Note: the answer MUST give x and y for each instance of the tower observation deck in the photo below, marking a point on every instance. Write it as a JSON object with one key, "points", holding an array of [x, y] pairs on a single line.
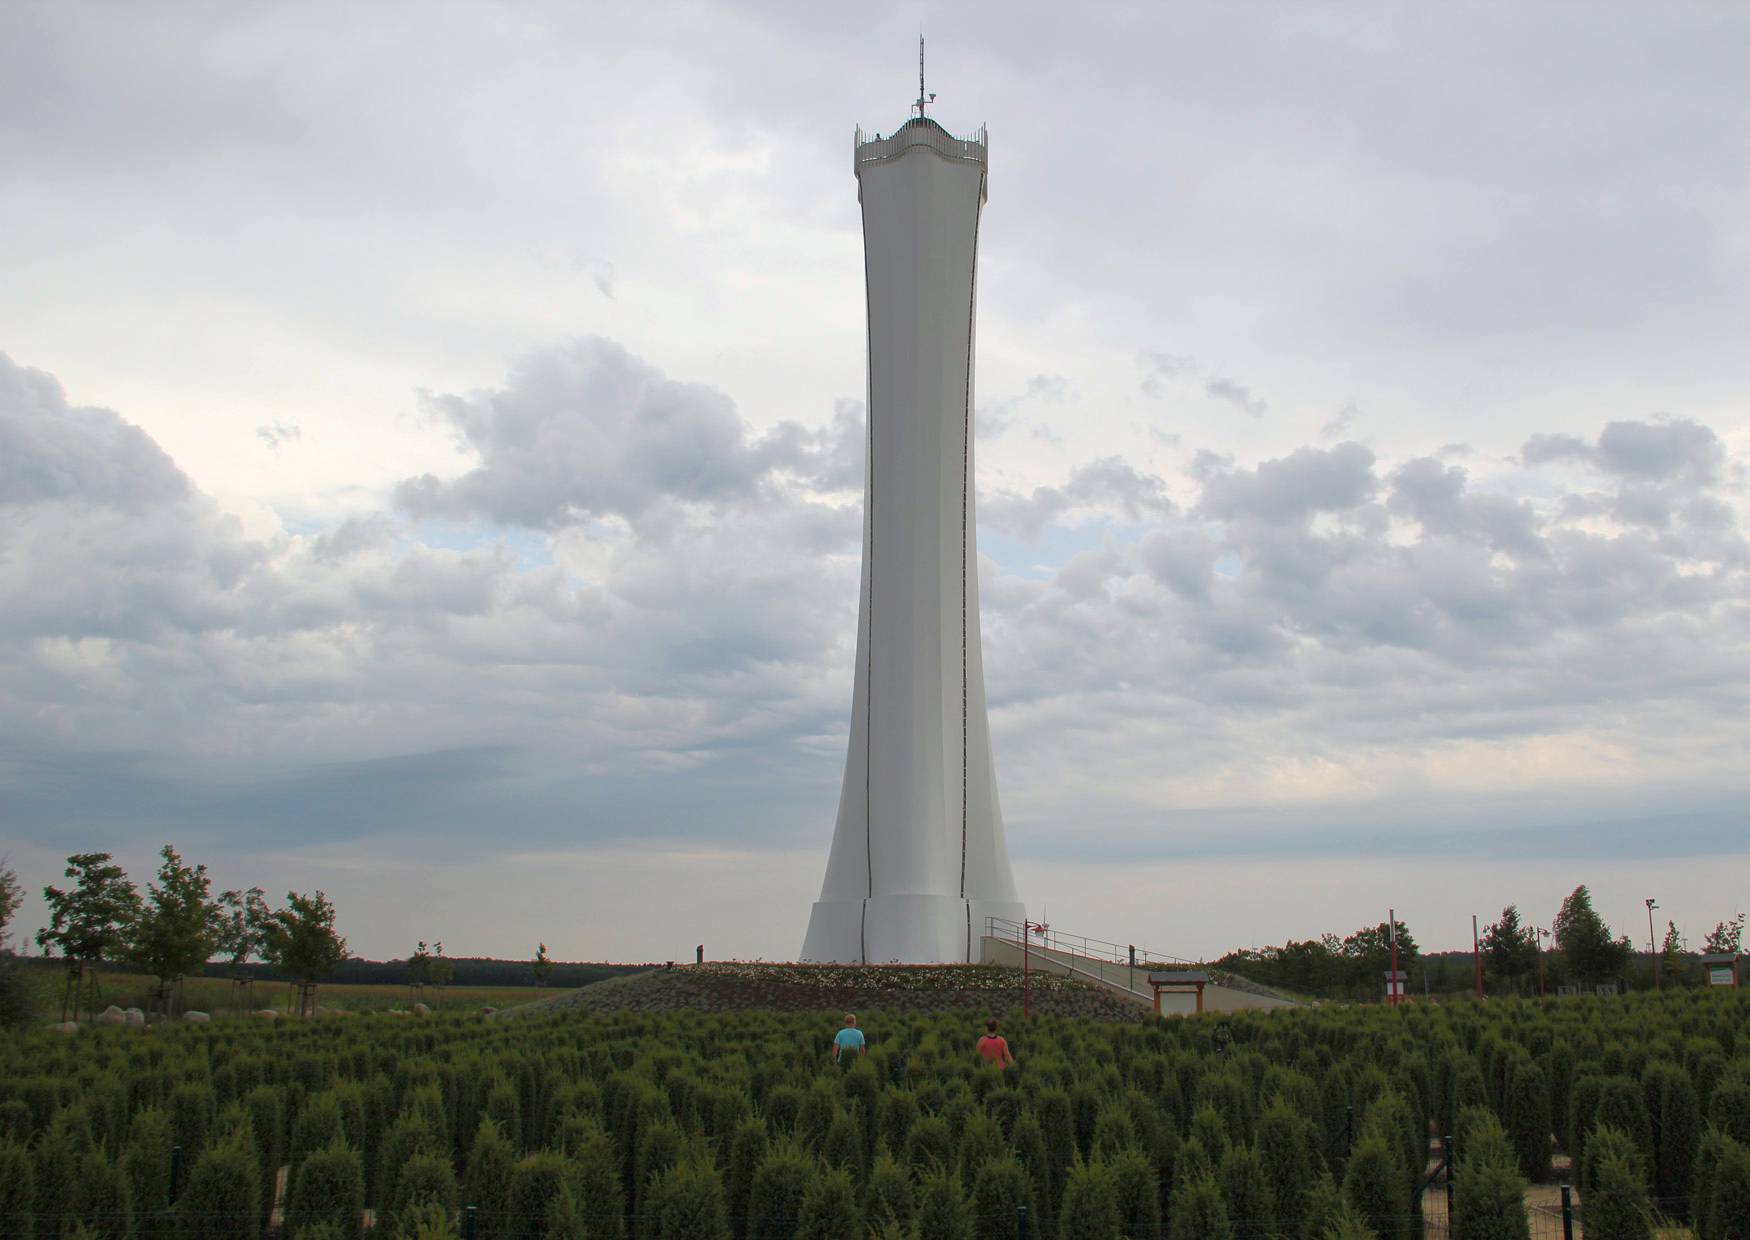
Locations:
{"points": [[918, 859]]}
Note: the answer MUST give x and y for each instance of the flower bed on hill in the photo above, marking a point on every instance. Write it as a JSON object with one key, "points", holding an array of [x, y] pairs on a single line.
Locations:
{"points": [[740, 986]]}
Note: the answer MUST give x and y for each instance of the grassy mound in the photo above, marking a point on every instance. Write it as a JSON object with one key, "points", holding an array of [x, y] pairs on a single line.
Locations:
{"points": [[735, 987]]}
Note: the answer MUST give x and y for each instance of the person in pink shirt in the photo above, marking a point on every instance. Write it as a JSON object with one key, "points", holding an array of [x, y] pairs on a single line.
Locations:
{"points": [[994, 1048]]}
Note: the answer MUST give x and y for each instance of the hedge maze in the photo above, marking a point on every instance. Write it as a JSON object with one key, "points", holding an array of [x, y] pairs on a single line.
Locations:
{"points": [[1328, 1122]]}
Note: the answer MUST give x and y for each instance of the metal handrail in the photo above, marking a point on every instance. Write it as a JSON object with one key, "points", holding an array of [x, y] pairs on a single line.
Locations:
{"points": [[1081, 944], [973, 150]]}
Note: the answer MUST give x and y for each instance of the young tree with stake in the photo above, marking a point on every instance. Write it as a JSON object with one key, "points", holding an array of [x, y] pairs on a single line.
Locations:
{"points": [[177, 929], [301, 942], [89, 921]]}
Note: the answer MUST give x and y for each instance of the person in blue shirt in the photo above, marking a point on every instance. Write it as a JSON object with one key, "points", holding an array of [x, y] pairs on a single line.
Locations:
{"points": [[849, 1039]]}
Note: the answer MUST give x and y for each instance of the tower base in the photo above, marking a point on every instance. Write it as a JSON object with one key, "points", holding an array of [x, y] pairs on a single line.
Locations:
{"points": [[902, 929]]}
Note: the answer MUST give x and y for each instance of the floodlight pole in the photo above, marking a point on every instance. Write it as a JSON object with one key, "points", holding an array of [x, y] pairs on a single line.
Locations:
{"points": [[1541, 936], [1652, 944]]}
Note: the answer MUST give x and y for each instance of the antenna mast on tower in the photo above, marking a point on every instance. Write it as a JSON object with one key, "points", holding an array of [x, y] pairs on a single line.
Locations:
{"points": [[923, 99]]}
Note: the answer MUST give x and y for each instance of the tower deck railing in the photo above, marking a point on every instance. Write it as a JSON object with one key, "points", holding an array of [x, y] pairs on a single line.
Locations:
{"points": [[869, 150], [1111, 962]]}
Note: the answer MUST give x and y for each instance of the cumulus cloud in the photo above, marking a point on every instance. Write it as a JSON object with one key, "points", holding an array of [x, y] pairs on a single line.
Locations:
{"points": [[668, 660], [587, 430]]}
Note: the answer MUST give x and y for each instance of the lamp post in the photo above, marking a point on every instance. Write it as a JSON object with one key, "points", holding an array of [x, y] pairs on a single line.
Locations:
{"points": [[1541, 936], [1652, 945]]}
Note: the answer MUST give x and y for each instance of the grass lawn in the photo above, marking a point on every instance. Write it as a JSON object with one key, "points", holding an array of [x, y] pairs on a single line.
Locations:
{"points": [[214, 995]]}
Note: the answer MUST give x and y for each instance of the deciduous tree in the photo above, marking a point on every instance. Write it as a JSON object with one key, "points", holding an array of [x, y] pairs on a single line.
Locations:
{"points": [[1728, 936], [90, 920], [177, 929], [300, 942]]}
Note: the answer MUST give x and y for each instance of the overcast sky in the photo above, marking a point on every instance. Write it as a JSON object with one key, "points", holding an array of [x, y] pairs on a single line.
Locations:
{"points": [[431, 458]]}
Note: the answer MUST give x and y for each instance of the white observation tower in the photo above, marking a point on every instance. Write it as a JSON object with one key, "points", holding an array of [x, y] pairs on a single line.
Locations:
{"points": [[918, 856]]}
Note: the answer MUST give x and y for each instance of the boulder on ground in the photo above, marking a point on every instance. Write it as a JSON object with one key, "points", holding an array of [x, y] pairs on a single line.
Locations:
{"points": [[65, 1026], [111, 1015], [135, 1016], [399, 1012], [196, 1018], [419, 1009], [267, 1014]]}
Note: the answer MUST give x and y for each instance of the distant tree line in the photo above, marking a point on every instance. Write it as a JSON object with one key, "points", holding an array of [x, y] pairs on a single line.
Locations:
{"points": [[1576, 949], [178, 928]]}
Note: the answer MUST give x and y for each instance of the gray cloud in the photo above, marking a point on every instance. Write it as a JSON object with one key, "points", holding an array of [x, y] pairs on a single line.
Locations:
{"points": [[1238, 395], [1294, 487], [679, 673], [588, 430]]}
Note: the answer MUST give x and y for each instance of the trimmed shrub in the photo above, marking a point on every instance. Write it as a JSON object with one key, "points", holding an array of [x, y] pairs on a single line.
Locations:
{"points": [[1321, 1207], [1373, 1183], [1246, 1190], [486, 1183], [328, 1187], [1489, 1202], [1028, 1141], [1002, 1186], [221, 1199], [843, 1147], [943, 1213], [1583, 1111], [601, 1192], [541, 1201], [1090, 1204], [1198, 1211], [427, 1222], [1728, 1109], [406, 1136], [887, 1196], [425, 1179], [774, 1203], [1723, 1207], [1137, 1187], [193, 1104], [1675, 1142], [1606, 1143], [1528, 1119], [146, 1163], [692, 1203], [747, 1149], [1617, 1207], [1623, 1106], [1346, 1224], [981, 1138], [318, 1126], [930, 1144], [17, 1191], [104, 1207], [1287, 1149], [829, 1207]]}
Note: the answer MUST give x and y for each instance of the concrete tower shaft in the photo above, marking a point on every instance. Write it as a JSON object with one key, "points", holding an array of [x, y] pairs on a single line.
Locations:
{"points": [[918, 856]]}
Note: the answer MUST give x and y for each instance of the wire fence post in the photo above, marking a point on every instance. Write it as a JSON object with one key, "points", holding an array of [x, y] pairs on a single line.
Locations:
{"points": [[470, 1220], [1020, 1222], [175, 1171], [1567, 1213], [1446, 1157]]}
